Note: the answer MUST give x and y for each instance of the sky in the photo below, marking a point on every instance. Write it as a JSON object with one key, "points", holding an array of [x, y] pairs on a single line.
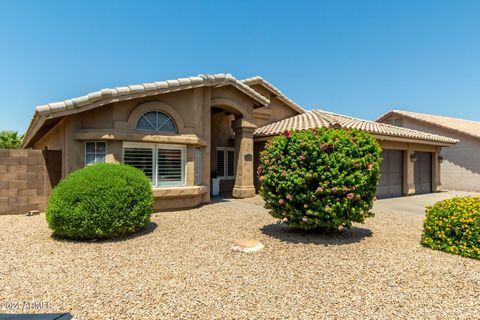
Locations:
{"points": [[359, 58]]}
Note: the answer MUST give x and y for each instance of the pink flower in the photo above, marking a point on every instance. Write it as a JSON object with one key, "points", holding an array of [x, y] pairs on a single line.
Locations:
{"points": [[289, 197], [267, 161], [353, 188], [281, 201], [284, 173], [319, 190], [288, 134], [304, 219], [334, 189], [302, 157], [259, 170], [324, 147], [350, 196]]}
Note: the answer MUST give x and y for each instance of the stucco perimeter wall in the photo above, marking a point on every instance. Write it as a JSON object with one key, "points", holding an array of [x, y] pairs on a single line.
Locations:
{"points": [[461, 164], [25, 179]]}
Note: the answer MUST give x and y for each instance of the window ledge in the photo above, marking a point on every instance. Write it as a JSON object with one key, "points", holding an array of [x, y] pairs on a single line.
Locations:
{"points": [[173, 192]]}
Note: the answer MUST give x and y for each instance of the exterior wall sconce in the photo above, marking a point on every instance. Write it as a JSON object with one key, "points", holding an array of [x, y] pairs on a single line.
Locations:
{"points": [[440, 158], [413, 157]]}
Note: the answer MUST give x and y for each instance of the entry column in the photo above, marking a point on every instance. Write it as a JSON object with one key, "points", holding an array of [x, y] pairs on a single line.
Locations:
{"points": [[243, 129]]}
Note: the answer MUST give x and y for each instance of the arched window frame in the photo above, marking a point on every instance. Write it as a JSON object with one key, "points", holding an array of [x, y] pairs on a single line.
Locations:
{"points": [[157, 127]]}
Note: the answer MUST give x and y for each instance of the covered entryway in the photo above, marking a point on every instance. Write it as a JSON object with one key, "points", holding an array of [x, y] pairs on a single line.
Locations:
{"points": [[423, 172], [390, 183]]}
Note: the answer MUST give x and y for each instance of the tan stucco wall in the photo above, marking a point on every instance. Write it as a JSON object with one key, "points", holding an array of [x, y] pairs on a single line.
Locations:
{"points": [[461, 165]]}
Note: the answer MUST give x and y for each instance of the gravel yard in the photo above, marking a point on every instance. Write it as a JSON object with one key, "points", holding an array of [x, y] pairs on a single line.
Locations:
{"points": [[182, 267]]}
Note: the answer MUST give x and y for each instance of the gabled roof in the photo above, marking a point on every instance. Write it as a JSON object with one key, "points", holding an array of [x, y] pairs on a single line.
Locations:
{"points": [[467, 127], [106, 96], [317, 118], [274, 90]]}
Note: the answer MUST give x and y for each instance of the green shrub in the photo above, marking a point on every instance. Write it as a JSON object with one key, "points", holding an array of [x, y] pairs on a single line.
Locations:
{"points": [[320, 178], [453, 226], [100, 201]]}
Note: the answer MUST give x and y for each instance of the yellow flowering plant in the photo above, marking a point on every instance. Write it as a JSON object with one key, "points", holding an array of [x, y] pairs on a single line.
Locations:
{"points": [[453, 226]]}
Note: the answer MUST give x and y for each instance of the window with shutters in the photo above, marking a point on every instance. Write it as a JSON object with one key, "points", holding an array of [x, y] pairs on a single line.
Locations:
{"points": [[95, 152], [225, 163], [198, 166], [163, 164]]}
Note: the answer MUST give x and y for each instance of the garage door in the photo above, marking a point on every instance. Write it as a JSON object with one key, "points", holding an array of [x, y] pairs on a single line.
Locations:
{"points": [[391, 174], [423, 172]]}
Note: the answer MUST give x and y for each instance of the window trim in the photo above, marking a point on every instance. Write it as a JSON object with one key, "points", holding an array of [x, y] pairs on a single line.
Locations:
{"points": [[85, 152], [155, 147], [154, 130], [225, 175]]}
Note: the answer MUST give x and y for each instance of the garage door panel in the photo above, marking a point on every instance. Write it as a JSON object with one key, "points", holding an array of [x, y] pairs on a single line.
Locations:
{"points": [[423, 172], [391, 170]]}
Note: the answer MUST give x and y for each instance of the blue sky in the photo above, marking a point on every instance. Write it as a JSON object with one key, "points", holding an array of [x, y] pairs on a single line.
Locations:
{"points": [[359, 58]]}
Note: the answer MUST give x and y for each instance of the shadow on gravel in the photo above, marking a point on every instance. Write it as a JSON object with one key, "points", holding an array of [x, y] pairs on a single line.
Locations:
{"points": [[151, 226], [283, 232]]}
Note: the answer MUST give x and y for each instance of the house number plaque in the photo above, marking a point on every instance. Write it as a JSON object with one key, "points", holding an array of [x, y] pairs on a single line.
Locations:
{"points": [[248, 157]]}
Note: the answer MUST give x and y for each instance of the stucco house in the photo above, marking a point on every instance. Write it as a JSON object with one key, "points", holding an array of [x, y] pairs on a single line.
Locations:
{"points": [[182, 132], [461, 162]]}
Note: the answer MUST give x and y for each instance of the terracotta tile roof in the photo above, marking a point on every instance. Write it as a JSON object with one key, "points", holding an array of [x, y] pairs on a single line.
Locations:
{"points": [[153, 88], [468, 127], [276, 92], [318, 118]]}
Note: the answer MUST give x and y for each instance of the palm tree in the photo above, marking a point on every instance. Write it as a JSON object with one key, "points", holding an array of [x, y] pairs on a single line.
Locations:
{"points": [[10, 139]]}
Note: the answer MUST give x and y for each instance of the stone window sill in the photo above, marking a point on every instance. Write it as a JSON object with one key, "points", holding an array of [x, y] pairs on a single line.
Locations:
{"points": [[174, 192]]}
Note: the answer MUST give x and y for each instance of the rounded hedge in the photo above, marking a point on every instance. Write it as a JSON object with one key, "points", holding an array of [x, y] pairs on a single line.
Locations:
{"points": [[453, 226], [320, 178], [100, 201]]}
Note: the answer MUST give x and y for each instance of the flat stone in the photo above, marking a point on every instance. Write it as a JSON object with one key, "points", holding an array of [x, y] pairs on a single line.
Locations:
{"points": [[247, 245]]}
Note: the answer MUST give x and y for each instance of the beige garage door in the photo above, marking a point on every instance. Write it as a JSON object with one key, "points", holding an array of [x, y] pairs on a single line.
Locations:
{"points": [[390, 183], [423, 172]]}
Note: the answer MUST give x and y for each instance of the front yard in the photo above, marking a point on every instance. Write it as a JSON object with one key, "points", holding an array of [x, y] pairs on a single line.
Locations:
{"points": [[182, 267]]}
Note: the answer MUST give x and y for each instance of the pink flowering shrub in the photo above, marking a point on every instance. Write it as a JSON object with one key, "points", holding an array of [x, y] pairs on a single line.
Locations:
{"points": [[320, 178]]}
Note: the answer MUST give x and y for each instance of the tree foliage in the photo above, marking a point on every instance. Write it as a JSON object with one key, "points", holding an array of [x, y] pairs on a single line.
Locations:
{"points": [[10, 139]]}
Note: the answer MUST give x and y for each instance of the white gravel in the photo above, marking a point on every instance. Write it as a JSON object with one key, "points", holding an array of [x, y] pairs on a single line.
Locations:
{"points": [[184, 269]]}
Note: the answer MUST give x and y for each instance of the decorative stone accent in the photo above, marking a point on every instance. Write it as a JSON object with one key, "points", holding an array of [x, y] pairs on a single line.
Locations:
{"points": [[245, 245]]}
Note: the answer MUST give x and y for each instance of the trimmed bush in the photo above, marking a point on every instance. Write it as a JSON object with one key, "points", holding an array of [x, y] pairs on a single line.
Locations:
{"points": [[100, 201], [453, 226], [320, 178]]}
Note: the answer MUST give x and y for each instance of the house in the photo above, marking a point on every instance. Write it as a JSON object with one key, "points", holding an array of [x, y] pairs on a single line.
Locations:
{"points": [[461, 162], [182, 132]]}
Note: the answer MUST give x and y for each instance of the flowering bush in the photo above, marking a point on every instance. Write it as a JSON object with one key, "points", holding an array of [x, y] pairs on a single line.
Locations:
{"points": [[453, 226], [320, 178]]}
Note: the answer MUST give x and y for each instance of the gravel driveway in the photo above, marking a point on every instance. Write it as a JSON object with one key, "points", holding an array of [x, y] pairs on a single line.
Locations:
{"points": [[182, 267]]}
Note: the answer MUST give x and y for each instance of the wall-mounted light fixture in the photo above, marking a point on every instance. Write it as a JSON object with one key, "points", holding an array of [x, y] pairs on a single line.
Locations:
{"points": [[440, 158], [413, 157]]}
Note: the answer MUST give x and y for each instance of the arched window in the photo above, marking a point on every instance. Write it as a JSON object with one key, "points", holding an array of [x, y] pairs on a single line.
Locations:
{"points": [[156, 121]]}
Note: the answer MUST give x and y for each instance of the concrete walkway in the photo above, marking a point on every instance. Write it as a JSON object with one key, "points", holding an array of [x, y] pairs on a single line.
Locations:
{"points": [[416, 204]]}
